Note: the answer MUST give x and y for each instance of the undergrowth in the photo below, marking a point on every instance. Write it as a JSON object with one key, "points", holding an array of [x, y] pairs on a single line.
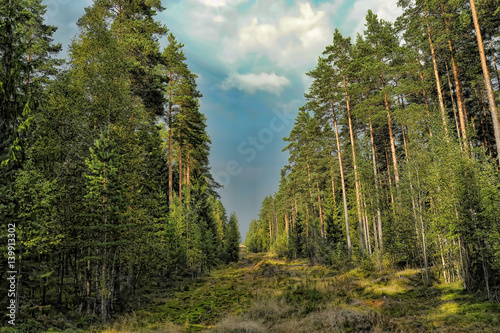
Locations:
{"points": [[262, 293]]}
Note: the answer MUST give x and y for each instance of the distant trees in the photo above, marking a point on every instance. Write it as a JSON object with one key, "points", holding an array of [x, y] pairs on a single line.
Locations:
{"points": [[395, 135]]}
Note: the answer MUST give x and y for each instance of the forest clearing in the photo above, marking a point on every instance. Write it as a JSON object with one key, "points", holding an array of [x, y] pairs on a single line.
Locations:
{"points": [[356, 149], [262, 293]]}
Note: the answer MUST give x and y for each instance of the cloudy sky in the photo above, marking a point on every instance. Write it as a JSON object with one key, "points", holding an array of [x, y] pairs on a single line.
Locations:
{"points": [[251, 57]]}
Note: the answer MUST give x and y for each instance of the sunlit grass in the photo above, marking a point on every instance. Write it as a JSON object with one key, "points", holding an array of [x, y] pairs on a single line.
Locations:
{"points": [[263, 293]]}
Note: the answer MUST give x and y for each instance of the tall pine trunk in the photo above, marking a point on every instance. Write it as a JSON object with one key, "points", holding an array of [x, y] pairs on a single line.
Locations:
{"points": [[436, 76], [391, 134], [344, 194], [377, 195], [487, 79], [458, 84], [356, 178], [170, 178]]}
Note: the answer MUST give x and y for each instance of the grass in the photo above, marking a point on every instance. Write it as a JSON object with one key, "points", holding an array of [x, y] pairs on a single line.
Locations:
{"points": [[262, 293]]}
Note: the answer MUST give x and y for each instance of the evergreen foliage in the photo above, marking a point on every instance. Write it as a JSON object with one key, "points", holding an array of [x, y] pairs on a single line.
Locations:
{"points": [[232, 242], [396, 133], [86, 183]]}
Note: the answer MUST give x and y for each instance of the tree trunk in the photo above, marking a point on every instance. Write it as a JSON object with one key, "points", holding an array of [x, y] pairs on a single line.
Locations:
{"points": [[344, 194], [487, 79], [391, 135], [188, 175], [443, 262], [321, 226], [331, 174], [453, 102], [436, 76], [270, 232], [379, 215], [170, 179], [287, 229], [458, 85], [275, 221], [366, 226], [389, 178], [180, 172], [356, 178]]}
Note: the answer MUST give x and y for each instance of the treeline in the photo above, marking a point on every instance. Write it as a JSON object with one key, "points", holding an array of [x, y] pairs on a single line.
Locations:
{"points": [[104, 164], [394, 157]]}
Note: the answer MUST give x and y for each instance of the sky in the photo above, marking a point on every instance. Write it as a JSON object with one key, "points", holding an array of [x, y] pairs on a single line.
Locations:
{"points": [[251, 57]]}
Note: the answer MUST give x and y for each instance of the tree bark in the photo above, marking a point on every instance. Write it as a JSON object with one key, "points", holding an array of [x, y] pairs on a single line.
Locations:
{"points": [[356, 178], [322, 229], [453, 102], [344, 194], [170, 178], [487, 79], [436, 76], [287, 229], [391, 135], [180, 171], [379, 215], [458, 85]]}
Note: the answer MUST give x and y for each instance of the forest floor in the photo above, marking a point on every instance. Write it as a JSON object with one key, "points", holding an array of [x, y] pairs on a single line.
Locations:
{"points": [[262, 293]]}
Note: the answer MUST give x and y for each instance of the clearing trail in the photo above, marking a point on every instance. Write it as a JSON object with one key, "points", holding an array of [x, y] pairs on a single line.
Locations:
{"points": [[262, 293]]}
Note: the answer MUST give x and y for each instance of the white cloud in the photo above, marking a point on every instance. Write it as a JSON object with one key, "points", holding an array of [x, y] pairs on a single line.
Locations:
{"points": [[288, 37], [214, 3], [262, 36], [250, 83], [387, 10], [256, 35], [309, 27]]}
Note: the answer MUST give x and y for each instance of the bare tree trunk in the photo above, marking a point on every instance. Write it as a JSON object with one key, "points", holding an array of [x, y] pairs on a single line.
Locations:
{"points": [[366, 226], [458, 85], [356, 178], [287, 229], [170, 178], [487, 79], [443, 262], [180, 171], [322, 228], [436, 75], [270, 232], [188, 175], [379, 215], [391, 135], [389, 177], [344, 194], [275, 220], [377, 247], [453, 102], [331, 174]]}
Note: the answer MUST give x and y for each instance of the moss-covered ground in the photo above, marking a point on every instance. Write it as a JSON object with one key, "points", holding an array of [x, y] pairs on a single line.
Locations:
{"points": [[262, 293]]}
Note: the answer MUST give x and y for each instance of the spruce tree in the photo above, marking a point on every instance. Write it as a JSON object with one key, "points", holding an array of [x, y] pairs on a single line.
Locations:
{"points": [[232, 242]]}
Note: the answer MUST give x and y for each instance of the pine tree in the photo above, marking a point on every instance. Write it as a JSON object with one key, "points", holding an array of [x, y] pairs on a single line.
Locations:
{"points": [[107, 215], [232, 242]]}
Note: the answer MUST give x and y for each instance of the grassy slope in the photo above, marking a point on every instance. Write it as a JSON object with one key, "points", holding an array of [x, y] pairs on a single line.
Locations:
{"points": [[265, 294]]}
